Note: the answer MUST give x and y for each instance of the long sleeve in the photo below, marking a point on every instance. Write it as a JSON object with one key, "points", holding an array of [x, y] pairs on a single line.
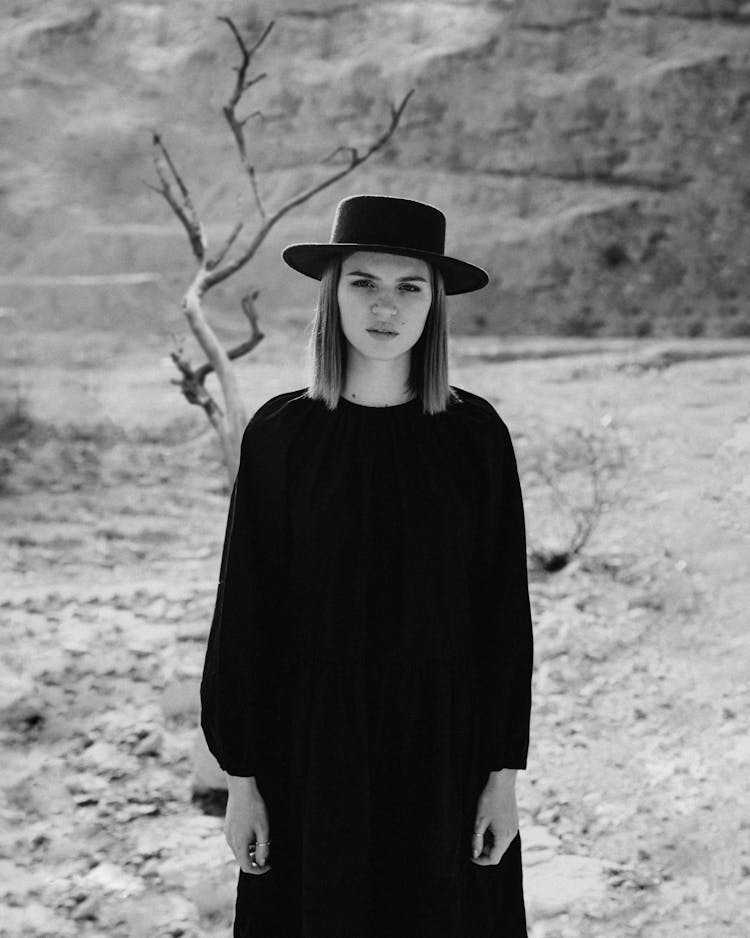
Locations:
{"points": [[506, 640], [241, 651]]}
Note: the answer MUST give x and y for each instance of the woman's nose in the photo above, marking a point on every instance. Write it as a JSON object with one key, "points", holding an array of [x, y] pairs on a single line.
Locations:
{"points": [[384, 306]]}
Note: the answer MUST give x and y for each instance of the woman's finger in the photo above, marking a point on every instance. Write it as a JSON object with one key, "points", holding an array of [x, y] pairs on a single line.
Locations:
{"points": [[243, 857], [500, 845], [259, 850], [477, 840], [246, 854]]}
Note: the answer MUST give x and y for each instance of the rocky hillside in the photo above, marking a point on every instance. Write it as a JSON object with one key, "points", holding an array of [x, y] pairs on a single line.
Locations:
{"points": [[592, 154]]}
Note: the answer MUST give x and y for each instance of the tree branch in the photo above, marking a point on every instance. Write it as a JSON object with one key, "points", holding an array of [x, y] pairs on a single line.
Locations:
{"points": [[217, 276], [192, 385], [230, 108], [186, 211], [256, 336], [212, 263]]}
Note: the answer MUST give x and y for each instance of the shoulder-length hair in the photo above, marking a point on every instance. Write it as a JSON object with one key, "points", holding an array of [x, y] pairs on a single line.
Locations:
{"points": [[327, 347]]}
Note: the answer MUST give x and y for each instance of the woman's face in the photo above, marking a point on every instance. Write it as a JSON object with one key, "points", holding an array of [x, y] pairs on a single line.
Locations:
{"points": [[383, 292]]}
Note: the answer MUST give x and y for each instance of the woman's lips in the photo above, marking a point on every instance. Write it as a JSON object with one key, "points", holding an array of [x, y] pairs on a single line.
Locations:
{"points": [[382, 335]]}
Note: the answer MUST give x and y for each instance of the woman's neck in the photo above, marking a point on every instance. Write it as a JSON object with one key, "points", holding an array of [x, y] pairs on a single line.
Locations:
{"points": [[378, 384]]}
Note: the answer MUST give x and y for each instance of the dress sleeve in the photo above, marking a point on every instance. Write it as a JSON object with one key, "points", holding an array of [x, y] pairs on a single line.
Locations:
{"points": [[506, 640], [240, 654]]}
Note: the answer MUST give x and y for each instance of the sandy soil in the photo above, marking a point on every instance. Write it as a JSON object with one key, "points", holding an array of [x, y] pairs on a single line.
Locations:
{"points": [[113, 511]]}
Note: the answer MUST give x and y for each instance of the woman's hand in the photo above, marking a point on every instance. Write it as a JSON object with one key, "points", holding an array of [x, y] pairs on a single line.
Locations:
{"points": [[246, 823], [498, 812]]}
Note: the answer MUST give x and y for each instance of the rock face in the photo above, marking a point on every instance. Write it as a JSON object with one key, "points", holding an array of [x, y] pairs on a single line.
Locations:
{"points": [[591, 154]]}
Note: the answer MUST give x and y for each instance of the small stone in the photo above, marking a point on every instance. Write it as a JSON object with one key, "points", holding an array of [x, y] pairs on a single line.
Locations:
{"points": [[150, 745], [87, 909]]}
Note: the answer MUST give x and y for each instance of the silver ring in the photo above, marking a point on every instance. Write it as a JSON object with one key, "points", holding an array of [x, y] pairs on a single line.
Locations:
{"points": [[251, 847]]}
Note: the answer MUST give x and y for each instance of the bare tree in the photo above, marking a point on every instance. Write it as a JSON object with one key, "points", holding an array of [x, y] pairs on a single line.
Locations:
{"points": [[212, 269]]}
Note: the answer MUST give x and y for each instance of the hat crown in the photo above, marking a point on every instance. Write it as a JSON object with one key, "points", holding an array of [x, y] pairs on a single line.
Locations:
{"points": [[385, 220]]}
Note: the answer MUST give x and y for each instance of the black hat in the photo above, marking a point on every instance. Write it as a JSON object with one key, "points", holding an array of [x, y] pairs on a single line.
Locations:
{"points": [[393, 226]]}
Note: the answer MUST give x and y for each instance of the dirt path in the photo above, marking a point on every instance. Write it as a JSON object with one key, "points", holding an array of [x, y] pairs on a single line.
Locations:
{"points": [[631, 813]]}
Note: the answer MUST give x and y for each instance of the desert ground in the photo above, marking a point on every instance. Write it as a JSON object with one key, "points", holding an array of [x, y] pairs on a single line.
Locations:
{"points": [[113, 509]]}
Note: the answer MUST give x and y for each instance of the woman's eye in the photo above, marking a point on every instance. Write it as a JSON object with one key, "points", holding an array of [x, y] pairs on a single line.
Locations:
{"points": [[412, 287]]}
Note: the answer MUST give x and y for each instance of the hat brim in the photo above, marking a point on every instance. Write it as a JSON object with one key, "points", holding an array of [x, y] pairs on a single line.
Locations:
{"points": [[458, 276]]}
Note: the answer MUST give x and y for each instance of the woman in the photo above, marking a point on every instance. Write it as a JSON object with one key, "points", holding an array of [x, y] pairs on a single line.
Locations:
{"points": [[367, 683]]}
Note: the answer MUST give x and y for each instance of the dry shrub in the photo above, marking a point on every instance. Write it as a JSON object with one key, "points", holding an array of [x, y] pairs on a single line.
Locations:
{"points": [[576, 476]]}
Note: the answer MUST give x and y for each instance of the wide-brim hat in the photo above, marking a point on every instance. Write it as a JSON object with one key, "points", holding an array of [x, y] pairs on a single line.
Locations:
{"points": [[393, 226]]}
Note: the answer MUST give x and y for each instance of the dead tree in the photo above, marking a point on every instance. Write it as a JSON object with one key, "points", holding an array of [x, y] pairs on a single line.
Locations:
{"points": [[212, 269]]}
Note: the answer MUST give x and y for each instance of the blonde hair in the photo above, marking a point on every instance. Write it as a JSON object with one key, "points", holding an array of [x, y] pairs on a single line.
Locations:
{"points": [[428, 374]]}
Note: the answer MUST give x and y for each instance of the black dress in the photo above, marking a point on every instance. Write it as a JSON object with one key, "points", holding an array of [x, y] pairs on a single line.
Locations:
{"points": [[370, 662]]}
